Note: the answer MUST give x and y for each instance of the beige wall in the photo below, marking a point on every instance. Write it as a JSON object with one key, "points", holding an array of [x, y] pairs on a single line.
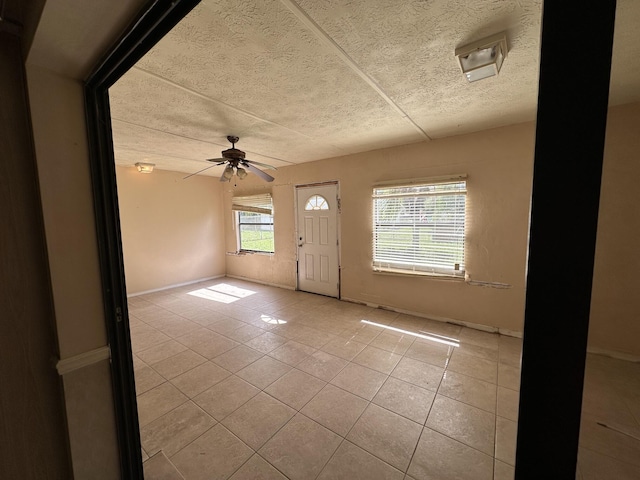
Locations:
{"points": [[57, 110], [615, 302], [498, 164], [171, 228]]}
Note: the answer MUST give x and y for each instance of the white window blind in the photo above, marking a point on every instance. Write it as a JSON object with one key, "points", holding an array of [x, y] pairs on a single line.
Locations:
{"points": [[254, 203], [420, 228]]}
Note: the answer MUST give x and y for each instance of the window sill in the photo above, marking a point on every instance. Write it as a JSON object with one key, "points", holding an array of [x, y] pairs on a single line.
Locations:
{"points": [[433, 276], [242, 253]]}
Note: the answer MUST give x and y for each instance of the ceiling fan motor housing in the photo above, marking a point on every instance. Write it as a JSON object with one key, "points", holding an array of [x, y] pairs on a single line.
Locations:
{"points": [[233, 154]]}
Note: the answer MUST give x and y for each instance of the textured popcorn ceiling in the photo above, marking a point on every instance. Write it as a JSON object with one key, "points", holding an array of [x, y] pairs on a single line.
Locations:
{"points": [[304, 80]]}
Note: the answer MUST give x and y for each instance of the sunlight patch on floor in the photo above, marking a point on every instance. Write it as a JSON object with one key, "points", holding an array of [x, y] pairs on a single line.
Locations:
{"points": [[272, 320], [222, 292], [434, 337]]}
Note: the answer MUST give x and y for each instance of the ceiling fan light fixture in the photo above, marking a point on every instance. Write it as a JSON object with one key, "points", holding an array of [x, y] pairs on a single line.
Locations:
{"points": [[228, 172], [484, 58], [145, 167], [241, 173]]}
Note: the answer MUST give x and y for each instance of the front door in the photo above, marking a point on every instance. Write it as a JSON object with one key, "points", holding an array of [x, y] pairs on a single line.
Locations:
{"points": [[317, 236]]}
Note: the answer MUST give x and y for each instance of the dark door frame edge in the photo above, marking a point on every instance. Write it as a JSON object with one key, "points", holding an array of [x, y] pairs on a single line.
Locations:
{"points": [[569, 150], [155, 20]]}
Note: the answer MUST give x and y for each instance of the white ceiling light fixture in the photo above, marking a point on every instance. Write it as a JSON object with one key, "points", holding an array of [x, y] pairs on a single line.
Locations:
{"points": [[483, 59], [145, 167]]}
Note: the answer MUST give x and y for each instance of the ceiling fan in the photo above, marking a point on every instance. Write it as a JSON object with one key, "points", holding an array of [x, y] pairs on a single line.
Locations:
{"points": [[236, 164]]}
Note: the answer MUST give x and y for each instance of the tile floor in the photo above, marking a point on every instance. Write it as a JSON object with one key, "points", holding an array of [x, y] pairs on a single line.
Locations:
{"points": [[245, 381]]}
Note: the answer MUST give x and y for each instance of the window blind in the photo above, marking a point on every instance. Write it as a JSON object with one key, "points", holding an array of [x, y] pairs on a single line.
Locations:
{"points": [[254, 203], [420, 228]]}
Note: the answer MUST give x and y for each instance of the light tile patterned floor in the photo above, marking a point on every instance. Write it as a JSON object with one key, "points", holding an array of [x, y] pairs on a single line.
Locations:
{"points": [[244, 381]]}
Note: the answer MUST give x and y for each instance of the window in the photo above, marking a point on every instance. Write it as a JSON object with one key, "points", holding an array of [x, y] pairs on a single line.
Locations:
{"points": [[254, 215], [420, 228], [316, 202]]}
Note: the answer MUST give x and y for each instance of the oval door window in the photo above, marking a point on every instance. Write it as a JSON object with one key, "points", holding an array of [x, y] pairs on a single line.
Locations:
{"points": [[316, 202]]}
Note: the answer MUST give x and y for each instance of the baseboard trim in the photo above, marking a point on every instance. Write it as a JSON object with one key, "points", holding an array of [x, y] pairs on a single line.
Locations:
{"points": [[253, 280], [82, 360], [475, 326], [509, 333], [613, 354], [169, 287]]}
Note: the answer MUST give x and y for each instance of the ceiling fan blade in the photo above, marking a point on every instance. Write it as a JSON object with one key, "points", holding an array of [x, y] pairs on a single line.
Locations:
{"points": [[221, 160], [257, 171], [199, 171], [263, 165]]}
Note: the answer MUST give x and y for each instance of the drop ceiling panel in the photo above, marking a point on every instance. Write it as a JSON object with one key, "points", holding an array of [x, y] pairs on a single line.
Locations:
{"points": [[137, 144], [151, 116], [145, 100], [408, 49], [259, 58]]}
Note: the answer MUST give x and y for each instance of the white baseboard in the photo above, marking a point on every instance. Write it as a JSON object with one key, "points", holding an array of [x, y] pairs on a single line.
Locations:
{"points": [[510, 333], [613, 354], [82, 360], [169, 287], [475, 326], [253, 280]]}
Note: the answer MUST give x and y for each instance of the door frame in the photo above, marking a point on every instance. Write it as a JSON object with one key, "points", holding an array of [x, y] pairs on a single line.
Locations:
{"points": [[338, 228], [151, 24]]}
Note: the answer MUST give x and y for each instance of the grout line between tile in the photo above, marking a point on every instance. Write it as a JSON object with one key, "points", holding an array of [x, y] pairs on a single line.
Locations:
{"points": [[424, 425]]}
